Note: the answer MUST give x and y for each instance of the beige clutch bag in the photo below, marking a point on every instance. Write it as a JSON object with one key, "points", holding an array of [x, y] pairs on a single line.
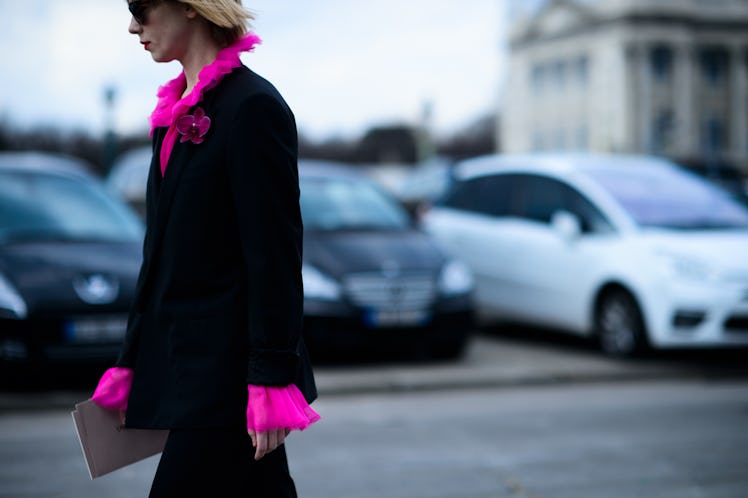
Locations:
{"points": [[106, 445]]}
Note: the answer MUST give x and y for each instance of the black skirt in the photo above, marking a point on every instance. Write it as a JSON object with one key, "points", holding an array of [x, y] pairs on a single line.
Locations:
{"points": [[207, 463]]}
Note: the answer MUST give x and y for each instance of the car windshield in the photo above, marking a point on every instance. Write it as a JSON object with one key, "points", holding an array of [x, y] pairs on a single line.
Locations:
{"points": [[37, 206], [340, 204], [666, 197]]}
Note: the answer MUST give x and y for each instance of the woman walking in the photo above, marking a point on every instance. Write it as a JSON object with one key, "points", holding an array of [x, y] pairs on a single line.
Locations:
{"points": [[213, 350]]}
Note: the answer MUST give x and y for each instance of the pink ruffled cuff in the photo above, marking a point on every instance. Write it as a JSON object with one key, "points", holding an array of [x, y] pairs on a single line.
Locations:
{"points": [[114, 388], [270, 408]]}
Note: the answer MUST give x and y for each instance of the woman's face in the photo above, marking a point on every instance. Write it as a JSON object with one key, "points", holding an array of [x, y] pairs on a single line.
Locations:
{"points": [[163, 27]]}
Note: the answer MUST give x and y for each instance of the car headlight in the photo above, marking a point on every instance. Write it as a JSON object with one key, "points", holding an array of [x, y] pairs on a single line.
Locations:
{"points": [[317, 285], [455, 278], [685, 267], [11, 300]]}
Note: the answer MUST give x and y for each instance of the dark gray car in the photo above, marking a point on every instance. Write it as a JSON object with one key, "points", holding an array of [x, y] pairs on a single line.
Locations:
{"points": [[69, 259], [373, 281]]}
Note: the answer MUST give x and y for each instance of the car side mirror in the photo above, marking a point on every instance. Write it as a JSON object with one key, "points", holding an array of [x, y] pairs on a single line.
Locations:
{"points": [[566, 224]]}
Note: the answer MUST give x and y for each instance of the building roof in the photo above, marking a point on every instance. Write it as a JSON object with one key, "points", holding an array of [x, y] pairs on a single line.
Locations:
{"points": [[562, 18]]}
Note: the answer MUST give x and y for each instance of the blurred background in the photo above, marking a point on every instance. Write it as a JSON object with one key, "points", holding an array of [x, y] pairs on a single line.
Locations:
{"points": [[83, 83], [393, 84]]}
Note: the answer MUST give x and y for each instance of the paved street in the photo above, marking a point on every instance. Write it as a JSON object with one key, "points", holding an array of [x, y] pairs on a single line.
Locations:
{"points": [[634, 440], [522, 415], [652, 439]]}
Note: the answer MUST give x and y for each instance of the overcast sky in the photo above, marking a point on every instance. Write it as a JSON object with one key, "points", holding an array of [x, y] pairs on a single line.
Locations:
{"points": [[343, 65]]}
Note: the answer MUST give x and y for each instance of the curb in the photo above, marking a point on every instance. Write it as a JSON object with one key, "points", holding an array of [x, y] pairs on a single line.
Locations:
{"points": [[399, 382], [11, 402]]}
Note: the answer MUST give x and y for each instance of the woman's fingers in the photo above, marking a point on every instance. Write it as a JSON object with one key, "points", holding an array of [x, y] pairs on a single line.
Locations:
{"points": [[253, 436], [272, 440], [281, 436], [265, 442], [261, 445]]}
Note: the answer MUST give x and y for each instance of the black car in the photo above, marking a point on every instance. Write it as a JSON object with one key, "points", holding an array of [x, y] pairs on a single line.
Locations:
{"points": [[373, 281], [69, 258]]}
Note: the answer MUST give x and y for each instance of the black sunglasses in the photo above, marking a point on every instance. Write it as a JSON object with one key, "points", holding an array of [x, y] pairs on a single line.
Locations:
{"points": [[139, 9]]}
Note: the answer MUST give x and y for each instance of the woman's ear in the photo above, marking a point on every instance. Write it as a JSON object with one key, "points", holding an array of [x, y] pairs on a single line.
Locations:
{"points": [[189, 11]]}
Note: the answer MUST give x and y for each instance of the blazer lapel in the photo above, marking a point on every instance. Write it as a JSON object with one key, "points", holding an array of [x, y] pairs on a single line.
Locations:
{"points": [[180, 156], [169, 184], [160, 194]]}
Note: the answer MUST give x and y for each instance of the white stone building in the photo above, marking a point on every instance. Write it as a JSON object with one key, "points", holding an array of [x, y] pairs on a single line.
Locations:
{"points": [[667, 77]]}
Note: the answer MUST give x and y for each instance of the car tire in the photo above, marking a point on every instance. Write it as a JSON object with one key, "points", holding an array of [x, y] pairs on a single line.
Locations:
{"points": [[619, 325]]}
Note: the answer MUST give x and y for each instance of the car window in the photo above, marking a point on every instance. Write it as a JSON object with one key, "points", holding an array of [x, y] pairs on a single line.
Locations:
{"points": [[668, 197], [489, 195], [464, 195], [540, 197], [35, 206], [343, 204], [591, 218]]}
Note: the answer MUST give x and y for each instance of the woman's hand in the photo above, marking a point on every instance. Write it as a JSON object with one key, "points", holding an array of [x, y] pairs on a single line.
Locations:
{"points": [[265, 442]]}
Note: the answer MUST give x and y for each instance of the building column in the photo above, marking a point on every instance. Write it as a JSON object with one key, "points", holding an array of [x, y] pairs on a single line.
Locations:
{"points": [[738, 105], [686, 125], [644, 98], [638, 98]]}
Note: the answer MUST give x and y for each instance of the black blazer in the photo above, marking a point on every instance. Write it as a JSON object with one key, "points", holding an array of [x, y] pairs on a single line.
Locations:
{"points": [[219, 300]]}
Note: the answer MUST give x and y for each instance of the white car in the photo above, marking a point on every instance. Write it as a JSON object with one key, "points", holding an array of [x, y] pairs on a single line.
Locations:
{"points": [[634, 250]]}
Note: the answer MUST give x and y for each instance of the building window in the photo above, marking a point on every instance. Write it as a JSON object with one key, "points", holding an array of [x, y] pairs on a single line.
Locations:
{"points": [[713, 137], [545, 76], [662, 131], [714, 66], [537, 78], [559, 74], [582, 69], [661, 59]]}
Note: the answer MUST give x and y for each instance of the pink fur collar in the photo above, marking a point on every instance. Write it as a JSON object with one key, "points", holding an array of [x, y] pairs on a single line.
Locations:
{"points": [[171, 106]]}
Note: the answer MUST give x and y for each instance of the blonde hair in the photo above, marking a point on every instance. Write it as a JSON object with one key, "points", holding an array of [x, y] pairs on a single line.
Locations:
{"points": [[228, 18]]}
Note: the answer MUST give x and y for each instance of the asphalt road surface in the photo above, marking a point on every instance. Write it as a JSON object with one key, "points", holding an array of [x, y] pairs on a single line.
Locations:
{"points": [[672, 438]]}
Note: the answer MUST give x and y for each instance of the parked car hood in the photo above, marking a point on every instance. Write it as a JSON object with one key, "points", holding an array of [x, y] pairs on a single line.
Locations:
{"points": [[721, 249], [338, 253], [43, 272]]}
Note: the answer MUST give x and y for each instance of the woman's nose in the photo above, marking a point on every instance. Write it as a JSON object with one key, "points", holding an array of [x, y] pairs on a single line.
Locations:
{"points": [[134, 27]]}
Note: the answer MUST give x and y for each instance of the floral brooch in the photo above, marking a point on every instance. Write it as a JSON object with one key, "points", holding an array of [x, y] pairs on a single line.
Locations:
{"points": [[193, 127]]}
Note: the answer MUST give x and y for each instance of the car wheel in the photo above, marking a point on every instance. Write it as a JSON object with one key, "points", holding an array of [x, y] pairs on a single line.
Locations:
{"points": [[619, 323]]}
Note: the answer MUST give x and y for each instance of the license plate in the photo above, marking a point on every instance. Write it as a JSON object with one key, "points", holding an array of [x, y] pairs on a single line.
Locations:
{"points": [[99, 329], [396, 318]]}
